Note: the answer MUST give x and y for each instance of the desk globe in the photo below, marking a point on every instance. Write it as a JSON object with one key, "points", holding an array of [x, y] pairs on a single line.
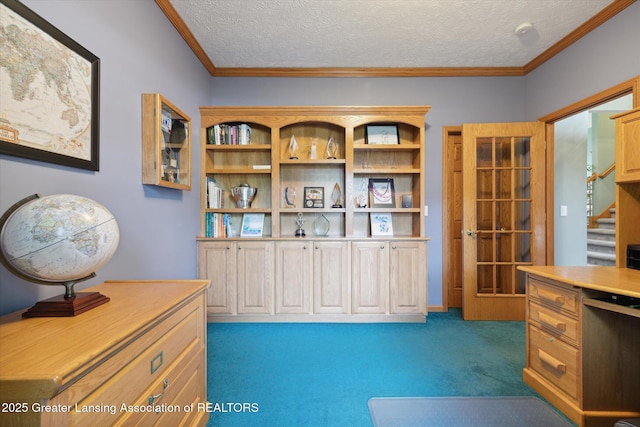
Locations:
{"points": [[58, 240]]}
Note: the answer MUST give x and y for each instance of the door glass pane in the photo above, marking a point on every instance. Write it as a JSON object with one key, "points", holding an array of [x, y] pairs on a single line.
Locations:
{"points": [[484, 214], [485, 279], [522, 147], [483, 152], [504, 251], [523, 247], [522, 215], [520, 282], [503, 152], [484, 185], [503, 216], [485, 247], [522, 184], [503, 184], [504, 277]]}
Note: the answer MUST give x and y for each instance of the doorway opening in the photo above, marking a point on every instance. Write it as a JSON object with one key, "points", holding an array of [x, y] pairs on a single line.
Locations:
{"points": [[584, 185]]}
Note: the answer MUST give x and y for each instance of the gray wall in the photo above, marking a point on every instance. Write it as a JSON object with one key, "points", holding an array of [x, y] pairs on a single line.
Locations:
{"points": [[140, 52], [454, 101]]}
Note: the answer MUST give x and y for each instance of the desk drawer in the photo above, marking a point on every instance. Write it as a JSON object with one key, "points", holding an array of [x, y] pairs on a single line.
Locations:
{"points": [[549, 320], [560, 298], [555, 360], [150, 366]]}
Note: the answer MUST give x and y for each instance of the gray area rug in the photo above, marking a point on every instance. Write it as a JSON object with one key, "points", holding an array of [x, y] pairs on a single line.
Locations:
{"points": [[464, 411]]}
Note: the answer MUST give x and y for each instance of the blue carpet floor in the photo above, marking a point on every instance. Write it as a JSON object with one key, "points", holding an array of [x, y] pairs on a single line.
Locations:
{"points": [[284, 375]]}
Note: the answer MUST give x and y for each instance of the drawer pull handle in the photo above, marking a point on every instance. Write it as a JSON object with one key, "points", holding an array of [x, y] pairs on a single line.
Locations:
{"points": [[550, 321], [552, 361], [153, 397], [550, 296]]}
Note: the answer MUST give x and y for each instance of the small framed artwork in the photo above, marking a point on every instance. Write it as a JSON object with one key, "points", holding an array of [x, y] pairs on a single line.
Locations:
{"points": [[314, 197], [407, 201], [382, 134], [381, 224], [252, 224], [382, 193]]}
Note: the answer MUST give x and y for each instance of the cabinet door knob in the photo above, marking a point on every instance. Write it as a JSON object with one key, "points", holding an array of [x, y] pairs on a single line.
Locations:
{"points": [[382, 247]]}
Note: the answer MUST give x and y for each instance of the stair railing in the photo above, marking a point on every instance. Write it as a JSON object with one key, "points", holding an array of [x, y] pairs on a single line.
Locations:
{"points": [[606, 213]]}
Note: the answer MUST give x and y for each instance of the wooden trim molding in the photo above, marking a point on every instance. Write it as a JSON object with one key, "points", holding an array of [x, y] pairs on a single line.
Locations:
{"points": [[175, 19], [629, 86], [600, 18], [370, 72], [607, 13]]}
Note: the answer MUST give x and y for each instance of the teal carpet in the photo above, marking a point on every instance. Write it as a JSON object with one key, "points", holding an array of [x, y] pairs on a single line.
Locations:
{"points": [[280, 375]]}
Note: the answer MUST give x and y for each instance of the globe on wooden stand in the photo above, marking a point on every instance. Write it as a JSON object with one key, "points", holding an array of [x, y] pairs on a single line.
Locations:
{"points": [[58, 240]]}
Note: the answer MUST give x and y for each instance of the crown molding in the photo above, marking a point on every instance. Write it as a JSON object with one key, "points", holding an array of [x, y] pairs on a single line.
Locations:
{"points": [[604, 15]]}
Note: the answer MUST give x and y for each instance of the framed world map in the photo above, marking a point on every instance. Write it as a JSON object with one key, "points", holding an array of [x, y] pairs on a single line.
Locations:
{"points": [[49, 92]]}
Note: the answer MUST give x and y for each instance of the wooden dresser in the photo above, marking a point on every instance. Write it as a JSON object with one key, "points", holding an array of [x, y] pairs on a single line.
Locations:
{"points": [[583, 341], [140, 358]]}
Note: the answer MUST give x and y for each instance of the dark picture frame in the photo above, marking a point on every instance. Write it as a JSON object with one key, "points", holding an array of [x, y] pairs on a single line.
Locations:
{"points": [[21, 135], [382, 193], [314, 197], [382, 134]]}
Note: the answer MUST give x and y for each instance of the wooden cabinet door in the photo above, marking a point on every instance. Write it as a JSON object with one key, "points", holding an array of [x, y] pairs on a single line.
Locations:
{"points": [[628, 146], [255, 277], [294, 265], [369, 277], [217, 262], [331, 265], [408, 277]]}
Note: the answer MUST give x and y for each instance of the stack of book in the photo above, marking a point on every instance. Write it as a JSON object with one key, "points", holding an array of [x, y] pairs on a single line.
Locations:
{"points": [[215, 194], [218, 225], [229, 134]]}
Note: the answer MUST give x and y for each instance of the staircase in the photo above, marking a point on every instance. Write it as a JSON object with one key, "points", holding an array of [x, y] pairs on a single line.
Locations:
{"points": [[601, 242]]}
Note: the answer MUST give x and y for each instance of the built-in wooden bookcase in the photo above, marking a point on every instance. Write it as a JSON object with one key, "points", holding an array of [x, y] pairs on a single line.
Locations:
{"points": [[253, 148], [264, 163], [166, 143]]}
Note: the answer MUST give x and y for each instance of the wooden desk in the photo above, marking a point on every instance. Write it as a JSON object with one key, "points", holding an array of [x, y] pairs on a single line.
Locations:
{"points": [[141, 357], [583, 350]]}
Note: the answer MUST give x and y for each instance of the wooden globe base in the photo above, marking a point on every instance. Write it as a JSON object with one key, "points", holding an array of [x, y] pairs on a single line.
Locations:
{"points": [[61, 306]]}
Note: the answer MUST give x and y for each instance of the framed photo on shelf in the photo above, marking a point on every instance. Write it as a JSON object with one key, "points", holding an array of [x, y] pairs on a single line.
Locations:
{"points": [[382, 193], [407, 201], [252, 224], [382, 134], [314, 197], [381, 224]]}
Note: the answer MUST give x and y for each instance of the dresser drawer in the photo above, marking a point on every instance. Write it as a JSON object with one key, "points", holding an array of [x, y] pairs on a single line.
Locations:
{"points": [[183, 331], [562, 326], [184, 386], [560, 298], [555, 360]]}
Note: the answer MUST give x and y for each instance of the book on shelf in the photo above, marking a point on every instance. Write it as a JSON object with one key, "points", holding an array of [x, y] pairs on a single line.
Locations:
{"points": [[381, 224]]}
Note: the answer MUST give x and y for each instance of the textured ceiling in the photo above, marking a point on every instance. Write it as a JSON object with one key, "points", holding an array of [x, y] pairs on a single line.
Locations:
{"points": [[379, 33]]}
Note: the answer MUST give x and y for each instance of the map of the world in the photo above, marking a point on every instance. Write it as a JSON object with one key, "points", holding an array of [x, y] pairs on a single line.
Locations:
{"points": [[45, 90]]}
